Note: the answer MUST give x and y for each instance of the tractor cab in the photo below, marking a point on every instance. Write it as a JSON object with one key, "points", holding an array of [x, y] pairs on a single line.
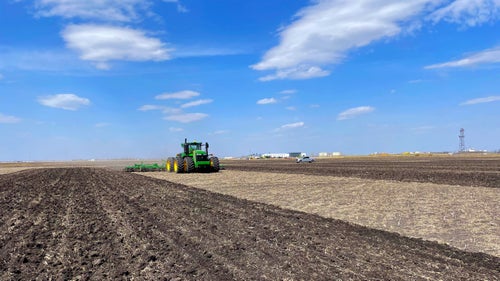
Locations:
{"points": [[195, 148]]}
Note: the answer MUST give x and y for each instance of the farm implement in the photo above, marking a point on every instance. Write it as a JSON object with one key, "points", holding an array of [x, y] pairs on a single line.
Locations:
{"points": [[145, 168], [193, 158]]}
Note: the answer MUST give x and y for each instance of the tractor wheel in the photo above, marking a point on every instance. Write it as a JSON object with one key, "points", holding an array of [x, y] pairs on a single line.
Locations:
{"points": [[170, 164], [214, 164], [178, 165], [188, 165]]}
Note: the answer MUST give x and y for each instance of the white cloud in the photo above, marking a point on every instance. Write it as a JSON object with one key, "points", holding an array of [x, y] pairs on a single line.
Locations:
{"points": [[109, 10], [288, 92], [484, 57], [354, 112], [291, 108], [468, 12], [64, 101], [186, 117], [196, 103], [267, 101], [481, 100], [149, 107], [180, 8], [175, 130], [322, 34], [292, 126], [1, 76], [103, 43], [182, 95], [7, 119], [219, 132]]}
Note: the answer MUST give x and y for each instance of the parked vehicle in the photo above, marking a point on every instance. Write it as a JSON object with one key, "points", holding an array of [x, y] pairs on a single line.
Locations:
{"points": [[305, 159]]}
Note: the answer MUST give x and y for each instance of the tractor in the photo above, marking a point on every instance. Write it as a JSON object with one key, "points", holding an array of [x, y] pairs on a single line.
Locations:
{"points": [[193, 158]]}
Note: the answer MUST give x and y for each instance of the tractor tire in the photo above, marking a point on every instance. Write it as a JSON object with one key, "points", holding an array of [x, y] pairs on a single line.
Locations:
{"points": [[188, 165], [170, 164], [214, 164], [178, 165]]}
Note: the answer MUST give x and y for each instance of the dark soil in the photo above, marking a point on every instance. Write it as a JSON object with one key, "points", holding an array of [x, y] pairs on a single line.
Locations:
{"points": [[96, 224], [465, 171]]}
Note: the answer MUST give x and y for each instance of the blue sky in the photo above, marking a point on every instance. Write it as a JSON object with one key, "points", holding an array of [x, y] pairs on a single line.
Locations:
{"points": [[131, 79]]}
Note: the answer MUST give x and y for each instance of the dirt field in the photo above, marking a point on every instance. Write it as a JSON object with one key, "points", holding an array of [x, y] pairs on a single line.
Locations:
{"points": [[95, 224], [464, 217], [455, 170]]}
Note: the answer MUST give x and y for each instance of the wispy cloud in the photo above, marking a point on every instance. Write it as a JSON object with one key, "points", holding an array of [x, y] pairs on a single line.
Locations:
{"points": [[267, 101], [64, 101], [219, 132], [103, 43], [149, 107], [291, 126], [481, 100], [186, 117], [288, 92], [109, 10], [322, 34], [196, 103], [175, 129], [484, 57], [291, 108], [182, 95], [354, 112], [180, 8], [7, 119], [1, 76], [468, 12]]}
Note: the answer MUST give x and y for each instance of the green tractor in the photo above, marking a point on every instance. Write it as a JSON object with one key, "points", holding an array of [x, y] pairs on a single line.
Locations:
{"points": [[193, 158]]}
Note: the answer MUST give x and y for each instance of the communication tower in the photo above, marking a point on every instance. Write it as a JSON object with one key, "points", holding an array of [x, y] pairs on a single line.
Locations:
{"points": [[461, 144]]}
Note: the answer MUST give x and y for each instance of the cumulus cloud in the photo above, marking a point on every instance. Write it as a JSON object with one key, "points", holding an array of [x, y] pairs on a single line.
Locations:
{"points": [[484, 57], [7, 119], [267, 101], [182, 95], [186, 117], [109, 10], [64, 101], [354, 112], [103, 43], [196, 103], [322, 34], [481, 100]]}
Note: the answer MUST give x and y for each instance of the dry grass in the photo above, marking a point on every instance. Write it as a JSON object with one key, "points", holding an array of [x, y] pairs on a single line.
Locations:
{"points": [[464, 217]]}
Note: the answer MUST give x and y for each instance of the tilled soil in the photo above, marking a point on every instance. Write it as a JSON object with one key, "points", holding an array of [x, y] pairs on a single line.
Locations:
{"points": [[464, 217], [465, 171], [95, 224]]}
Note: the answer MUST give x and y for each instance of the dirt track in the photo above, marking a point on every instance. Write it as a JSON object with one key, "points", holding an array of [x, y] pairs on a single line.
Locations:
{"points": [[97, 224]]}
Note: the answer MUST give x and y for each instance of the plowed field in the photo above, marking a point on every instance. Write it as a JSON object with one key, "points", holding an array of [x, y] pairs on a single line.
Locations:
{"points": [[464, 171], [95, 224]]}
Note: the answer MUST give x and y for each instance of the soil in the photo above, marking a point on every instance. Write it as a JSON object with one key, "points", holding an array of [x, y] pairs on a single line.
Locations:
{"points": [[461, 216], [464, 171], [96, 224]]}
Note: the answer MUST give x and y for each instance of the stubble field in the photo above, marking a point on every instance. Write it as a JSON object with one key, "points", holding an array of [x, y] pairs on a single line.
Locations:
{"points": [[94, 224]]}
